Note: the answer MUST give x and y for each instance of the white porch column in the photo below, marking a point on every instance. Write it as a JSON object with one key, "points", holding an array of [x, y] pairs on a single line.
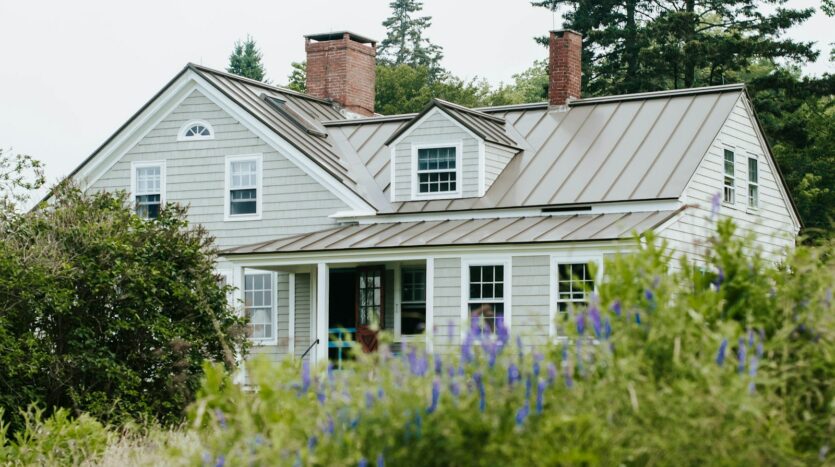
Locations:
{"points": [[430, 304], [291, 316], [322, 311], [237, 298]]}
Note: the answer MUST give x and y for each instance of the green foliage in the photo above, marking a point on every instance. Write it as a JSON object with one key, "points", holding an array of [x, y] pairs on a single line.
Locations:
{"points": [[644, 45], [107, 313], [406, 42], [405, 88], [297, 80], [56, 440], [19, 174], [245, 60]]}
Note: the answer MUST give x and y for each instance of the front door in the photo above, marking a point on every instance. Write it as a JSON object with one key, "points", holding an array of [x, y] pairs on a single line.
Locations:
{"points": [[370, 303]]}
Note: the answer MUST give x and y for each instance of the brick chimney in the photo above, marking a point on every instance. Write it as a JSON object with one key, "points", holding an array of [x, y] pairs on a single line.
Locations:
{"points": [[341, 66], [564, 66]]}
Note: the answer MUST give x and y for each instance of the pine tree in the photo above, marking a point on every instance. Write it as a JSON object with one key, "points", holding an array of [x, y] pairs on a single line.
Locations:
{"points": [[297, 79], [645, 45], [405, 42], [246, 60]]}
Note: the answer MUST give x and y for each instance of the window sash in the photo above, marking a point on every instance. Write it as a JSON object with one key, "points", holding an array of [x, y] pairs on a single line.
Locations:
{"points": [[486, 294], [728, 189], [753, 182], [579, 283], [243, 174], [412, 300], [437, 168], [259, 297], [148, 180]]}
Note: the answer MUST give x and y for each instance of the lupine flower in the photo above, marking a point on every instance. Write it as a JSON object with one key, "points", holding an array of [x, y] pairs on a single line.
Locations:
{"points": [[311, 442], [482, 402], [418, 423], [564, 353], [540, 392], [720, 277], [363, 462], [492, 354], [522, 413], [475, 326], [759, 351], [594, 314], [502, 332], [467, 349], [617, 308], [569, 381], [207, 458], [221, 461], [637, 318], [221, 418], [329, 426], [552, 373], [520, 347], [715, 203], [381, 462], [369, 399], [607, 329], [454, 388], [581, 323], [380, 393], [513, 374], [528, 385], [753, 366], [649, 295], [437, 364], [320, 395], [741, 355], [305, 375], [537, 357], [579, 357], [750, 337], [720, 356], [436, 395], [330, 372]]}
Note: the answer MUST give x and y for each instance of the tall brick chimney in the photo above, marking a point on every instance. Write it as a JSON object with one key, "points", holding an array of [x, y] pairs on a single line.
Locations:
{"points": [[341, 66], [564, 66]]}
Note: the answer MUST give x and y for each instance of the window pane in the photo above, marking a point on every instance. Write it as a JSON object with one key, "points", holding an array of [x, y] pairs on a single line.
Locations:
{"points": [[753, 171], [243, 202], [148, 180], [574, 284], [243, 174], [485, 315], [258, 302], [729, 163], [148, 206], [413, 319], [436, 170]]}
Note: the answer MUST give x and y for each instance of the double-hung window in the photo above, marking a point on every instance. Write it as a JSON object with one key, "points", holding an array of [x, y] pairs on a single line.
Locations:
{"points": [[486, 295], [753, 183], [243, 180], [259, 300], [413, 300], [437, 171], [729, 190], [148, 184], [574, 285]]}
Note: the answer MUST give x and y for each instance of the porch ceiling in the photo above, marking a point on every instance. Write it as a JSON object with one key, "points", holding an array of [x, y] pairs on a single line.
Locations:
{"points": [[506, 230]]}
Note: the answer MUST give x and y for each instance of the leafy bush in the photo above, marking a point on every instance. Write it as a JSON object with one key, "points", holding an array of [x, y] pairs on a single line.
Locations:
{"points": [[106, 313]]}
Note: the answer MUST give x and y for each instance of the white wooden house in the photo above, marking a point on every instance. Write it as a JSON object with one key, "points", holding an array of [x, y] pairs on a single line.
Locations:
{"points": [[332, 216]]}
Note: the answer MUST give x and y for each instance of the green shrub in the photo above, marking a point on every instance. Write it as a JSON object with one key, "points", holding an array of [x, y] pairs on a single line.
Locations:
{"points": [[106, 313]]}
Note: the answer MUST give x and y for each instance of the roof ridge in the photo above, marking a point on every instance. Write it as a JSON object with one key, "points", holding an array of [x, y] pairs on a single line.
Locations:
{"points": [[462, 108], [658, 94], [262, 84]]}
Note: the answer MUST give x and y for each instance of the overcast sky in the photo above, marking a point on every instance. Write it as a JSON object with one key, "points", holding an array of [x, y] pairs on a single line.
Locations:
{"points": [[72, 72]]}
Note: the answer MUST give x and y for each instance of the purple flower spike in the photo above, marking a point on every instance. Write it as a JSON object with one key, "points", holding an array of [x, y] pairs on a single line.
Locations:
{"points": [[520, 347], [363, 462], [637, 318], [513, 374], [522, 414], [759, 351], [753, 366], [311, 442], [369, 400], [221, 461], [649, 295], [502, 332], [720, 356], [221, 418], [381, 461], [436, 395], [438, 364], [380, 393], [569, 381], [528, 385], [741, 355], [540, 392], [594, 314], [305, 375], [479, 382], [715, 203], [617, 308], [455, 388], [329, 427], [552, 373], [581, 323], [320, 396], [607, 329], [467, 349]]}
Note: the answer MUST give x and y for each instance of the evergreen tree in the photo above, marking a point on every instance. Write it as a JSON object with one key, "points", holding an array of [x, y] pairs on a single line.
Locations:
{"points": [[644, 45], [405, 42], [246, 60], [297, 79]]}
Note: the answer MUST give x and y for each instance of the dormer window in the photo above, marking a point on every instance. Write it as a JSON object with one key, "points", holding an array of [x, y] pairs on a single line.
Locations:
{"points": [[196, 130], [437, 171]]}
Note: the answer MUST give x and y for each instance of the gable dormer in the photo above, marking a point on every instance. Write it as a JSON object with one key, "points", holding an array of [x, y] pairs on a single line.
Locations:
{"points": [[446, 152]]}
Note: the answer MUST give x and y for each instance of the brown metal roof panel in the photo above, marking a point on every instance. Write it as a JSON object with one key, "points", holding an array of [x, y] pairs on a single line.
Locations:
{"points": [[323, 236], [427, 237], [562, 230], [590, 230], [535, 231], [481, 233], [652, 144], [413, 229], [623, 225], [373, 238], [540, 182], [651, 222], [701, 144], [519, 226], [627, 147], [584, 171], [660, 169], [462, 229]]}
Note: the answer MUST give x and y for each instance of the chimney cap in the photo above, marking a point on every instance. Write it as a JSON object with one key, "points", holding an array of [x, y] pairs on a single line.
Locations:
{"points": [[561, 32], [336, 35]]}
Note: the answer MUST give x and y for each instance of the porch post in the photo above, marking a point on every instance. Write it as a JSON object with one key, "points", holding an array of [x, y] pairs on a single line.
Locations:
{"points": [[237, 299], [322, 311], [430, 302], [291, 317]]}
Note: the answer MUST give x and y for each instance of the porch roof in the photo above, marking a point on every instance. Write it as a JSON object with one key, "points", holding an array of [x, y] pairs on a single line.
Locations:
{"points": [[495, 231]]}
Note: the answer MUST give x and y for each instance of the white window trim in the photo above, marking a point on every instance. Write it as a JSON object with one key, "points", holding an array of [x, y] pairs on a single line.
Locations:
{"points": [[733, 151], [459, 147], [749, 183], [398, 302], [142, 164], [507, 262], [552, 283], [273, 340], [181, 135], [258, 158]]}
